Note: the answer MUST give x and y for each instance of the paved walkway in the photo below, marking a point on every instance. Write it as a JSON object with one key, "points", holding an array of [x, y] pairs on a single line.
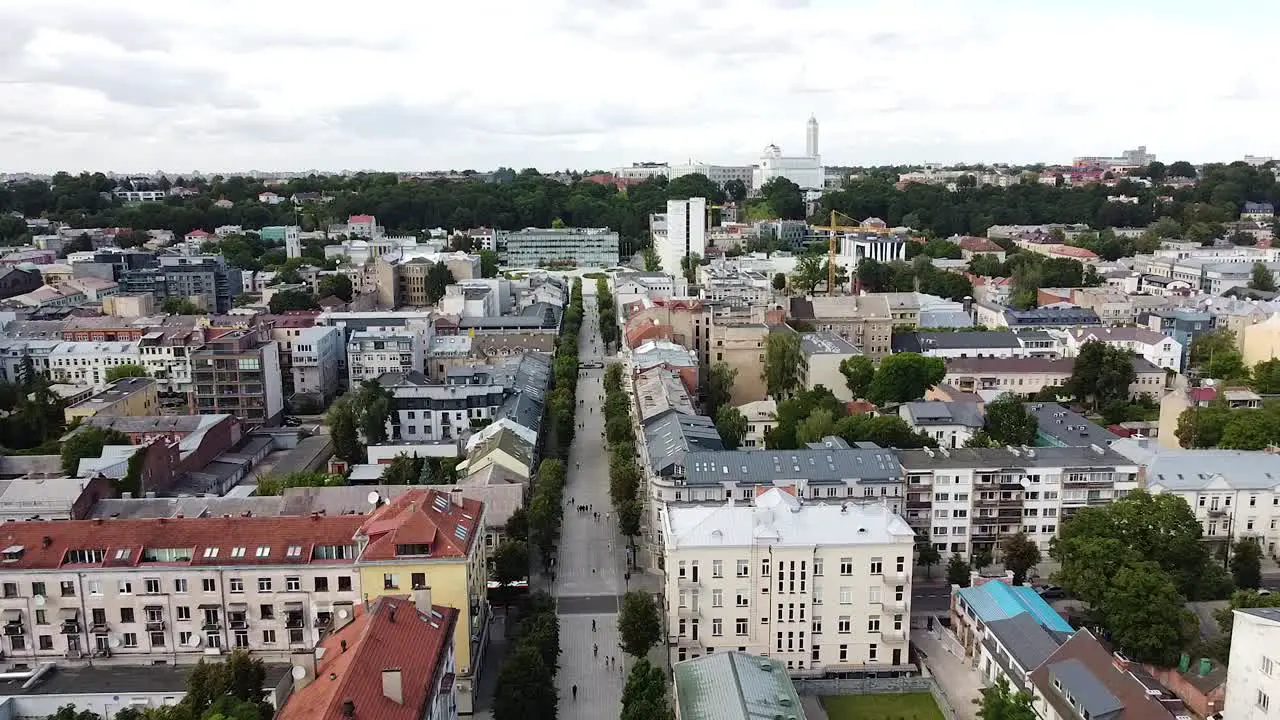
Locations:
{"points": [[589, 569], [959, 682]]}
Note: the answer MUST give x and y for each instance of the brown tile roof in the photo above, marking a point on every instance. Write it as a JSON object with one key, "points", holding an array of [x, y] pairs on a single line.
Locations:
{"points": [[211, 541], [979, 245], [1083, 649], [423, 517], [392, 633]]}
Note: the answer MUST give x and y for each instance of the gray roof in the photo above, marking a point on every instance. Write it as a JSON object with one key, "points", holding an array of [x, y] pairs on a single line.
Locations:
{"points": [[155, 423], [151, 508], [118, 680], [671, 436], [1089, 692], [1026, 640], [1075, 457], [826, 343], [1266, 613], [768, 466], [734, 686], [1196, 469], [934, 412], [310, 452], [984, 339], [1069, 427], [945, 318]]}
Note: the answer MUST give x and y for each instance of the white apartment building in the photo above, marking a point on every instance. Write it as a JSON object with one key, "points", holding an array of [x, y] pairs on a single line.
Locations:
{"points": [[428, 412], [971, 498], [823, 588], [315, 362], [951, 424], [680, 233], [1253, 680], [87, 363], [718, 174], [141, 195], [762, 418], [1156, 348], [140, 591], [370, 354], [542, 247], [1233, 493], [641, 171], [15, 352]]}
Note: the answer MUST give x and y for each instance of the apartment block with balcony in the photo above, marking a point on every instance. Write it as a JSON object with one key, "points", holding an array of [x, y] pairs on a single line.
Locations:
{"points": [[1233, 493], [821, 588], [426, 411], [238, 373], [968, 499], [316, 361], [575, 247], [371, 354]]}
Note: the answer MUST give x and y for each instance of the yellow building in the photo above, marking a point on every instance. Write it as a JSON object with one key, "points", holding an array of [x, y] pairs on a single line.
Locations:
{"points": [[432, 540], [127, 397], [1261, 342]]}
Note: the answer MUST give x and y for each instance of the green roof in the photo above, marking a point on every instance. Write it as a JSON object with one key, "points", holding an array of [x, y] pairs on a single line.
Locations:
{"points": [[735, 686]]}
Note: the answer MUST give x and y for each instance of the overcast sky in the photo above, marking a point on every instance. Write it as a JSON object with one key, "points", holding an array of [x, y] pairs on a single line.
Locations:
{"points": [[180, 85]]}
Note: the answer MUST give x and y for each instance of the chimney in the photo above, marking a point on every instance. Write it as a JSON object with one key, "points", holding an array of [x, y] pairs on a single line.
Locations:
{"points": [[304, 668], [391, 686], [348, 708], [455, 494], [422, 599]]}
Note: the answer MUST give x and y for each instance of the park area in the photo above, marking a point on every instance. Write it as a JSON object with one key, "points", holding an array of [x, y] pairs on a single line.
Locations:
{"points": [[891, 706]]}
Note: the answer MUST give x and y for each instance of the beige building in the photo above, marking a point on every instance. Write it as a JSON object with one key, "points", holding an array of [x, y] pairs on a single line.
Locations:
{"points": [[400, 283], [1261, 341], [129, 306], [762, 418], [865, 321], [742, 347], [990, 377], [127, 397], [823, 353], [822, 588]]}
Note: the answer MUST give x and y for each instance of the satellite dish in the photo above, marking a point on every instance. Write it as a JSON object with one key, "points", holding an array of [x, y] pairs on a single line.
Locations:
{"points": [[298, 672], [38, 600], [343, 614], [114, 641], [374, 498], [194, 641]]}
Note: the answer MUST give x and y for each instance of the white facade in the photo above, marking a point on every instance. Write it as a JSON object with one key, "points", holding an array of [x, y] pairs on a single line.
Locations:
{"points": [[855, 247], [1150, 345], [1253, 675], [811, 137], [718, 174], [141, 195], [317, 355], [686, 234], [1233, 493], [444, 412], [762, 418], [370, 354], [803, 171], [821, 588], [87, 363]]}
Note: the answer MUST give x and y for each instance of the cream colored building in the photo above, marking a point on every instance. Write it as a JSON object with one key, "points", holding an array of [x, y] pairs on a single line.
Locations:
{"points": [[1261, 342], [742, 347], [822, 588], [762, 417]]}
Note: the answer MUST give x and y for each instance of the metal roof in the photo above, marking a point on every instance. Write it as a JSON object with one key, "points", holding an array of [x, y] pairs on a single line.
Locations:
{"points": [[1005, 458], [1087, 691], [671, 436], [996, 600], [934, 412], [1197, 469], [1026, 640], [735, 686], [770, 466]]}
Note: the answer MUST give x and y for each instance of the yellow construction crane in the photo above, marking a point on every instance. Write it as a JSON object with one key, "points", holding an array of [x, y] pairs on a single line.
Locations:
{"points": [[837, 227]]}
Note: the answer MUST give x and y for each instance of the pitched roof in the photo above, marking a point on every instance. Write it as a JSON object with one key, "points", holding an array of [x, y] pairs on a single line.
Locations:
{"points": [[424, 517], [392, 634], [997, 600], [1086, 671], [934, 412], [770, 466], [202, 541], [734, 686], [1025, 639]]}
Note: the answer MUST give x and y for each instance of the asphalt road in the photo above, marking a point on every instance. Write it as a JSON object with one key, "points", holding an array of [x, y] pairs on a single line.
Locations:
{"points": [[586, 604], [929, 597]]}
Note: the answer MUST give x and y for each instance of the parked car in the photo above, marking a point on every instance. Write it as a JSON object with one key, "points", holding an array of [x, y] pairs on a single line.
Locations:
{"points": [[1051, 592], [290, 421]]}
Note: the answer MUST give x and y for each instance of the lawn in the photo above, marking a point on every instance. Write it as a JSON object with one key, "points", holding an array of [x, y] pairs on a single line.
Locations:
{"points": [[891, 706]]}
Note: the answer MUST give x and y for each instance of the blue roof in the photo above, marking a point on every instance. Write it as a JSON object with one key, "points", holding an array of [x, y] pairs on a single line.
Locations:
{"points": [[997, 600]]}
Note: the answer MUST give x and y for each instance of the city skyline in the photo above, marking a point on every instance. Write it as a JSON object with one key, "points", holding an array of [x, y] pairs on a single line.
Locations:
{"points": [[234, 86]]}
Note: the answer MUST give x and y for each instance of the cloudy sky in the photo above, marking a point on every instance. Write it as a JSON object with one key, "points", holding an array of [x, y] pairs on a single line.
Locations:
{"points": [[179, 85]]}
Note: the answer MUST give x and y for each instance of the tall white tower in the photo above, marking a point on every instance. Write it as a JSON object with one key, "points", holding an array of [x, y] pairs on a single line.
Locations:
{"points": [[811, 138]]}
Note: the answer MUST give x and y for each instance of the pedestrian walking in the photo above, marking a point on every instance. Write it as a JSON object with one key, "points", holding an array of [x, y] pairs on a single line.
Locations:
{"points": [[595, 650], [593, 626], [575, 692]]}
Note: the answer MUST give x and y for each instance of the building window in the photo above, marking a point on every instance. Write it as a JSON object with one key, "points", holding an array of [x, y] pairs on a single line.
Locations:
{"points": [[182, 612], [717, 628], [209, 585], [846, 566], [717, 598], [264, 585], [872, 651], [268, 637], [235, 585], [743, 568], [344, 583], [268, 612], [844, 625], [1267, 666], [180, 585], [877, 566], [740, 626], [293, 584], [844, 653], [1264, 702], [717, 568], [390, 582], [846, 596], [817, 567]]}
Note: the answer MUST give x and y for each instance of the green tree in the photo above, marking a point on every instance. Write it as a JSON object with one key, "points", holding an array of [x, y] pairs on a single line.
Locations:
{"points": [[732, 426], [1144, 614], [128, 370], [719, 386], [905, 376], [286, 300], [783, 198], [1266, 377], [820, 423], [526, 687], [438, 278], [277, 484], [180, 306], [981, 557], [779, 282], [630, 513], [644, 697], [1202, 427], [1001, 702], [1020, 555], [1181, 169], [689, 267], [510, 562], [69, 712], [858, 372], [344, 430], [1246, 563], [928, 556], [1205, 347], [1250, 430], [88, 442], [402, 470], [652, 263], [736, 190], [958, 571], [810, 272], [488, 264], [1101, 375], [338, 285], [1261, 278], [986, 266], [639, 624], [1009, 422], [782, 360]]}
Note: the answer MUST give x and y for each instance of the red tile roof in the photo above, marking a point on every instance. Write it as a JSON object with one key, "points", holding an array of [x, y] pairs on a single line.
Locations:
{"points": [[391, 634], [360, 219], [199, 233], [1084, 651], [979, 245], [298, 319], [423, 517], [210, 541], [1076, 252]]}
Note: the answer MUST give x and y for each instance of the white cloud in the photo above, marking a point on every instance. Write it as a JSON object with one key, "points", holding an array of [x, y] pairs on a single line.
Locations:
{"points": [[241, 84]]}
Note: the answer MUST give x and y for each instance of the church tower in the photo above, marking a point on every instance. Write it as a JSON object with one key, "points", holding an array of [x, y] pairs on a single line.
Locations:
{"points": [[811, 138]]}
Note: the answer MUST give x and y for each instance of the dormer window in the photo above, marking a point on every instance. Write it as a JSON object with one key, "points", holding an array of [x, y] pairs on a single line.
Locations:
{"points": [[13, 553], [413, 549]]}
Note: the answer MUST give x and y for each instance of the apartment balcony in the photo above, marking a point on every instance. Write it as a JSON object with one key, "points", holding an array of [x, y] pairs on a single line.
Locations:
{"points": [[13, 629], [986, 502], [919, 503], [687, 581], [897, 578], [891, 635], [688, 612], [100, 628], [71, 627], [1217, 512], [211, 625], [295, 623], [896, 605], [155, 625]]}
